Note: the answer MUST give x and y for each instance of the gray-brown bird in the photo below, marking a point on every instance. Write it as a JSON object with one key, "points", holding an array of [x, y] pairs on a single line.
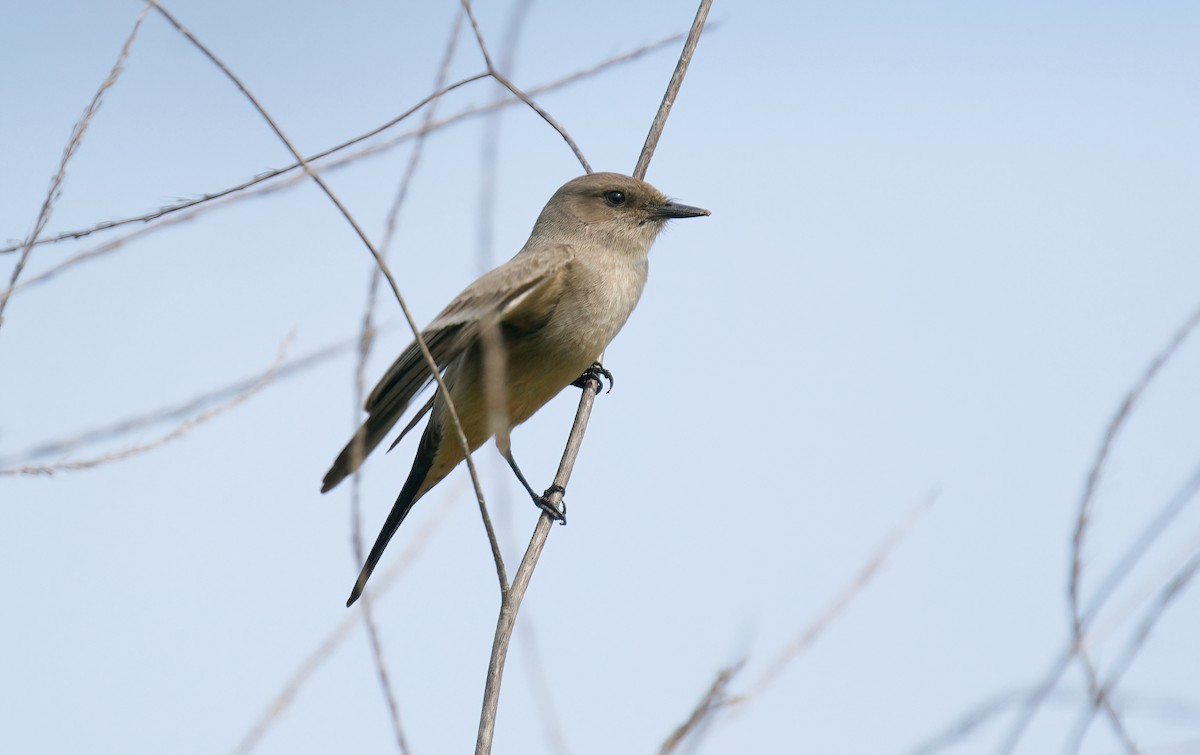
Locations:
{"points": [[551, 310]]}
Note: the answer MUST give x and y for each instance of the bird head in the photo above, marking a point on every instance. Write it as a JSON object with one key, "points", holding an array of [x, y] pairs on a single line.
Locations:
{"points": [[611, 208]]}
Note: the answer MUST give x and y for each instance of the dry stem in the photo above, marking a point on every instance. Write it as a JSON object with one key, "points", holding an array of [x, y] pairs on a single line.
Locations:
{"points": [[664, 109], [368, 151], [511, 599], [412, 324], [183, 429], [68, 152]]}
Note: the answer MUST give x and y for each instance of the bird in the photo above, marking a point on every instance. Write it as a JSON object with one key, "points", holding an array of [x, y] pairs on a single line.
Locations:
{"points": [[517, 336]]}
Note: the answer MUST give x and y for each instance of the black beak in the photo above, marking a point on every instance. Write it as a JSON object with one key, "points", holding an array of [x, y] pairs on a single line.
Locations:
{"points": [[674, 210]]}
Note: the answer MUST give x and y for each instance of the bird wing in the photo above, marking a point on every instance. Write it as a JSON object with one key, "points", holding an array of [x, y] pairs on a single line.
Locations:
{"points": [[523, 290]]}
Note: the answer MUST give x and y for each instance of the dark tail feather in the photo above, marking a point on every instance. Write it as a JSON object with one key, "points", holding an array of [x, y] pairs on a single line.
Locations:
{"points": [[426, 452]]}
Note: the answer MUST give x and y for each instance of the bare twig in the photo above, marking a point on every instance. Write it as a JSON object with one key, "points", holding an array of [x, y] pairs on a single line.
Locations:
{"points": [[491, 145], [716, 699], [338, 635], [524, 97], [114, 245], [806, 638], [984, 713], [511, 599], [365, 341], [660, 118], [978, 716], [233, 194], [381, 672], [1115, 425], [1174, 506], [1167, 595], [713, 700], [485, 234], [175, 434], [68, 152], [1080, 620], [176, 411], [183, 205], [1124, 566], [429, 360], [535, 669]]}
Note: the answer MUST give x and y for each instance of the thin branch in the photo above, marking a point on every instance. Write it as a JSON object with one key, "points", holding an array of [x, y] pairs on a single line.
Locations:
{"points": [[429, 360], [1081, 621], [226, 195], [664, 109], [805, 639], [367, 331], [1115, 425], [176, 411], [710, 703], [511, 599], [503, 81], [1084, 515], [117, 243], [381, 672], [183, 429], [365, 341], [978, 716], [487, 59], [491, 145], [266, 176], [1168, 710], [1167, 595], [1167, 514], [1033, 703], [276, 708], [716, 699], [73, 143], [523, 97], [535, 668]]}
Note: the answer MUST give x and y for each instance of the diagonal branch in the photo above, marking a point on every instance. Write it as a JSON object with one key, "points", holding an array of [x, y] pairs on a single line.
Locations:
{"points": [[429, 360], [1082, 620], [72, 146], [374, 149], [713, 700], [510, 601], [1084, 515], [664, 109], [182, 429], [717, 699], [365, 342], [266, 176], [504, 82], [334, 639]]}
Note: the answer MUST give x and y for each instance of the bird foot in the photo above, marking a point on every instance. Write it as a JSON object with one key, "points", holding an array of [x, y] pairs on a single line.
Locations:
{"points": [[595, 372], [556, 512]]}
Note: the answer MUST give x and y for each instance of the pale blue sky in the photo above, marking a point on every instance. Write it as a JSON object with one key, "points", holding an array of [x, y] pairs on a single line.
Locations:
{"points": [[946, 239]]}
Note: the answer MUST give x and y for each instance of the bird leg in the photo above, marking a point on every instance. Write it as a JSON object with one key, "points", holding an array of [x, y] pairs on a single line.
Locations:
{"points": [[595, 372], [557, 513]]}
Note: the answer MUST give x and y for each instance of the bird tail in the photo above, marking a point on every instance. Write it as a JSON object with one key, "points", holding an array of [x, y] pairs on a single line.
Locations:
{"points": [[414, 488], [352, 456]]}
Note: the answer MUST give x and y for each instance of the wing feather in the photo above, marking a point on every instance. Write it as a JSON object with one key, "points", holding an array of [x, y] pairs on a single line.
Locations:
{"points": [[518, 289]]}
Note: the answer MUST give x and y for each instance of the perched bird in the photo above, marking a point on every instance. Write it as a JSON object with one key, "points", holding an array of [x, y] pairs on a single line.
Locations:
{"points": [[517, 336]]}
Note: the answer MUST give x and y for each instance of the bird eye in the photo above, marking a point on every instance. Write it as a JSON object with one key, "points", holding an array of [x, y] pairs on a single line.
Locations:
{"points": [[614, 198]]}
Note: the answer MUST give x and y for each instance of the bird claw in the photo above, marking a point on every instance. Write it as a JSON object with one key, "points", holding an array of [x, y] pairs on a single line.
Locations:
{"points": [[598, 373], [557, 513]]}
